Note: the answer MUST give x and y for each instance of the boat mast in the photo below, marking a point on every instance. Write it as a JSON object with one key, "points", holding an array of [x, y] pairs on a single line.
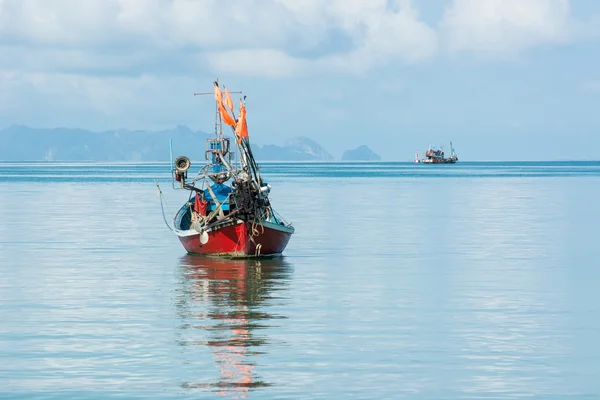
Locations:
{"points": [[219, 132], [218, 121], [247, 158]]}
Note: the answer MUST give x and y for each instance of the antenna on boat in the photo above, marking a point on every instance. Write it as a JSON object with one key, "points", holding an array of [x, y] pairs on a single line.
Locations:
{"points": [[171, 152]]}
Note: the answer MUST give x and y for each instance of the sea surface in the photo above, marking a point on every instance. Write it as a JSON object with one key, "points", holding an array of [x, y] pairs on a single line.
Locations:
{"points": [[466, 281]]}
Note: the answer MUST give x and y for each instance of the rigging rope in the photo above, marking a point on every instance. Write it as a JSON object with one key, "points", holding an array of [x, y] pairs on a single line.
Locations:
{"points": [[161, 197]]}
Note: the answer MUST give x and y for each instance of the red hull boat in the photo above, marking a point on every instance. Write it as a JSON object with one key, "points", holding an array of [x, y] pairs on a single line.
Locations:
{"points": [[219, 219], [239, 239]]}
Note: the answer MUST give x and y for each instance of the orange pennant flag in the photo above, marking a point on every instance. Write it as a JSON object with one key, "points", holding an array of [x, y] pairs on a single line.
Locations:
{"points": [[218, 94], [228, 101], [241, 128], [227, 118], [242, 109]]}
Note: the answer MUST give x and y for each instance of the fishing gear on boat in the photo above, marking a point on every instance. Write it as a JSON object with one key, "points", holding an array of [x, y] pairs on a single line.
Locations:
{"points": [[223, 218]]}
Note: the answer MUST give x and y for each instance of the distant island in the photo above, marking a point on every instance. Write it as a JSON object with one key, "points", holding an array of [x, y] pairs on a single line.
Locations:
{"points": [[23, 143], [361, 153], [297, 149]]}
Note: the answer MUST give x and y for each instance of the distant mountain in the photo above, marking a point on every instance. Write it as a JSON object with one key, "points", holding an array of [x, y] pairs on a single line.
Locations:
{"points": [[18, 143], [298, 149], [22, 143], [361, 153]]}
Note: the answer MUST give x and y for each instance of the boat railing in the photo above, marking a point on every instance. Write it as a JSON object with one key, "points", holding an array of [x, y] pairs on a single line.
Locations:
{"points": [[277, 218]]}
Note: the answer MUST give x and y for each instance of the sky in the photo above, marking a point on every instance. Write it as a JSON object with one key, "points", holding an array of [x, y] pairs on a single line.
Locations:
{"points": [[501, 79]]}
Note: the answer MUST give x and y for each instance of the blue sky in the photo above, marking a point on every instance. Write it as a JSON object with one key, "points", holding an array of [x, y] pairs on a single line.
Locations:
{"points": [[502, 79]]}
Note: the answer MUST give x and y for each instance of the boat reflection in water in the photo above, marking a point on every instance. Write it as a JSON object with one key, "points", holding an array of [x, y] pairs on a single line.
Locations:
{"points": [[224, 305]]}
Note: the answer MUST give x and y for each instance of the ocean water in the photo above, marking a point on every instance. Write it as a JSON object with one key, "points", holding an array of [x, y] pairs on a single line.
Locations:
{"points": [[466, 281]]}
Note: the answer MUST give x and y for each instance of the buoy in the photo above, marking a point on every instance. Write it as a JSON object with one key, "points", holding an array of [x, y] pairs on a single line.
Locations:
{"points": [[204, 237]]}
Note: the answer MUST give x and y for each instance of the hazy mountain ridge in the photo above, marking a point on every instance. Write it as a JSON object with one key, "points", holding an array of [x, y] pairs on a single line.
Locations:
{"points": [[19, 143], [361, 153], [23, 143]]}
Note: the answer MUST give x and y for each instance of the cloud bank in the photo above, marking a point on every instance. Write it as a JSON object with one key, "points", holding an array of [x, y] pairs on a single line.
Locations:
{"points": [[506, 27], [276, 38], [106, 55]]}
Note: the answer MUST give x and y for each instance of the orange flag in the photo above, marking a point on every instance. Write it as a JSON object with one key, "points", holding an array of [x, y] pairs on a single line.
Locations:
{"points": [[242, 109], [228, 101], [218, 94], [227, 118], [241, 128]]}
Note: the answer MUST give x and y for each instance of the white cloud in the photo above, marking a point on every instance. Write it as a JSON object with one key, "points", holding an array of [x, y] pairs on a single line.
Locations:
{"points": [[103, 59], [61, 22], [506, 27], [109, 60], [591, 86], [101, 102], [252, 29], [272, 38], [380, 35], [257, 62]]}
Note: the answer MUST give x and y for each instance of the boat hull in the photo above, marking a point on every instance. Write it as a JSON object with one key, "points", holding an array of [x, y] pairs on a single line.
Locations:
{"points": [[239, 239], [440, 161]]}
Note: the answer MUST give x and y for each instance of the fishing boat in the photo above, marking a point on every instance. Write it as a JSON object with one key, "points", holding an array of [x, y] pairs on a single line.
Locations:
{"points": [[436, 156], [228, 212]]}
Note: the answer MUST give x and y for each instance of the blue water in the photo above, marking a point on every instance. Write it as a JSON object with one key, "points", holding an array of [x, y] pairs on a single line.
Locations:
{"points": [[474, 280]]}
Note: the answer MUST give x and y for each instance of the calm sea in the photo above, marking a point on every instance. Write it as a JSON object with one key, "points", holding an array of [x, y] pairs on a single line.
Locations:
{"points": [[474, 280]]}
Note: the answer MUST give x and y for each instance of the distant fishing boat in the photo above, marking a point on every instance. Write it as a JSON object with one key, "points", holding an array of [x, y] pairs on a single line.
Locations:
{"points": [[436, 156], [235, 220]]}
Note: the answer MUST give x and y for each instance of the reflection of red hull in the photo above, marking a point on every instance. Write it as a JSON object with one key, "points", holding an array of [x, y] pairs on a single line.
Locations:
{"points": [[240, 239]]}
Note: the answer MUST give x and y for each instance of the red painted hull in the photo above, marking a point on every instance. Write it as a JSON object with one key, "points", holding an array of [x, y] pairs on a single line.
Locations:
{"points": [[238, 240]]}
